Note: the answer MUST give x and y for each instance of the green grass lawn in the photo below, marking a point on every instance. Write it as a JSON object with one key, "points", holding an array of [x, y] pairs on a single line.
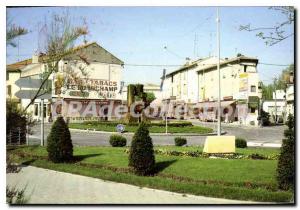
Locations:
{"points": [[133, 128], [232, 179]]}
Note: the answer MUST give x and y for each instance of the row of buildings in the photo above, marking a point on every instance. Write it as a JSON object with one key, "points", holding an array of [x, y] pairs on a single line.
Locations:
{"points": [[88, 73], [281, 104], [196, 85], [98, 77]]}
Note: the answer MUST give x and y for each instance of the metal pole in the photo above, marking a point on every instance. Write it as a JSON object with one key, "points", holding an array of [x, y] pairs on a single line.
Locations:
{"points": [[9, 137], [19, 130], [166, 116], [42, 122], [219, 74], [275, 101], [27, 136], [261, 111]]}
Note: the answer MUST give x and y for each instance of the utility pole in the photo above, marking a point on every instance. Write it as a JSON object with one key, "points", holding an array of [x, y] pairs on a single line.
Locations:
{"points": [[219, 74], [275, 98], [42, 122]]}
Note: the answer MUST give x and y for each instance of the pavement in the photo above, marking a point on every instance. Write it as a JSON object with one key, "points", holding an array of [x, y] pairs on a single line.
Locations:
{"points": [[255, 136], [43, 186]]}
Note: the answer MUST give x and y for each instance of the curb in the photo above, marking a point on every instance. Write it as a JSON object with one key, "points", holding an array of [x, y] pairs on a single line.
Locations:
{"points": [[261, 144], [152, 134]]}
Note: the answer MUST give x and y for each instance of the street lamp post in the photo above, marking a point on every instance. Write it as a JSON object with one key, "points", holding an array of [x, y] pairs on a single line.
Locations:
{"points": [[219, 74]]}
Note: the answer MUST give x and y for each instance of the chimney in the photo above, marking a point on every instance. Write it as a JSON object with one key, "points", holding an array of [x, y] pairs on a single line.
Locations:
{"points": [[188, 61], [35, 58]]}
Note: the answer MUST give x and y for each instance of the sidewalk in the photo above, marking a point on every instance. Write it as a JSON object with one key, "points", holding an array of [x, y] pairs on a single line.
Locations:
{"points": [[51, 187]]}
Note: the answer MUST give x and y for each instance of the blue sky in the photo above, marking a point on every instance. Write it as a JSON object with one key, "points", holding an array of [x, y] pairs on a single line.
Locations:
{"points": [[137, 35]]}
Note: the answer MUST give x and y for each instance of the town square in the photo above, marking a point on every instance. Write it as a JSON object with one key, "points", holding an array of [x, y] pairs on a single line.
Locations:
{"points": [[150, 105]]}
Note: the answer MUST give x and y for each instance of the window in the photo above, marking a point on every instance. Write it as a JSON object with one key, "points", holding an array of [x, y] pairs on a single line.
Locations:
{"points": [[9, 90], [253, 88], [36, 109], [245, 68], [7, 76], [252, 110]]}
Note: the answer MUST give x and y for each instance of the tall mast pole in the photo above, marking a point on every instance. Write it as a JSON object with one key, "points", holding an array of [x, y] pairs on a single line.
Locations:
{"points": [[219, 74]]}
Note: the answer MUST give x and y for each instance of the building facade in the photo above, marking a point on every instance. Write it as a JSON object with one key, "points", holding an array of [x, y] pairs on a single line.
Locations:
{"points": [[148, 88], [290, 99], [196, 85], [89, 74]]}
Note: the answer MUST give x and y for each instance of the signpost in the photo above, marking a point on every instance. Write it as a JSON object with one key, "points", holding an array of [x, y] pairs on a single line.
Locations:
{"points": [[29, 94], [33, 85], [120, 128]]}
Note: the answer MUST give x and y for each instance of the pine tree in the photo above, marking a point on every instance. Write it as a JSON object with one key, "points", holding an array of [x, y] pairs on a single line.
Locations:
{"points": [[286, 162], [59, 142], [141, 156]]}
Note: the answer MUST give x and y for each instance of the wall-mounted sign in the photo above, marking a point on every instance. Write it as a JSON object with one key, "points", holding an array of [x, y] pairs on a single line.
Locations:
{"points": [[86, 87], [243, 86], [92, 85], [227, 98], [243, 82], [79, 93]]}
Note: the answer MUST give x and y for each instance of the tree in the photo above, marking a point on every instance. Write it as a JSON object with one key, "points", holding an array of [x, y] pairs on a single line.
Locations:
{"points": [[267, 92], [286, 162], [279, 83], [135, 93], [150, 97], [265, 117], [284, 77], [60, 37], [12, 32], [277, 33], [141, 155], [59, 142]]}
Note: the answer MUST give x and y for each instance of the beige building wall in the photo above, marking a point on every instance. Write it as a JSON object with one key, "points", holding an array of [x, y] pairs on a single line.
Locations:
{"points": [[11, 87], [184, 84], [199, 83], [95, 70], [230, 82]]}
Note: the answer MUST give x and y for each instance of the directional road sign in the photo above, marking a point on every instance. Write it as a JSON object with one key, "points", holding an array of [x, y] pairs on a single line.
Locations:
{"points": [[29, 94], [28, 82]]}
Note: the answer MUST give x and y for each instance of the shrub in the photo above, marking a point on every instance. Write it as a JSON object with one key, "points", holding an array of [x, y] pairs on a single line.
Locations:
{"points": [[59, 143], [256, 156], [286, 162], [179, 141], [15, 196], [17, 123], [117, 141], [240, 143], [141, 154], [265, 118]]}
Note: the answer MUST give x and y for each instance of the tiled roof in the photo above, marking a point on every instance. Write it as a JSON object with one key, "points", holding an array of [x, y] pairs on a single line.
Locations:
{"points": [[211, 66], [233, 60], [19, 65]]}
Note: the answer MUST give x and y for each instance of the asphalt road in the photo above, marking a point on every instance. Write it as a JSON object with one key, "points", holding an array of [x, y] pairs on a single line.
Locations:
{"points": [[273, 134]]}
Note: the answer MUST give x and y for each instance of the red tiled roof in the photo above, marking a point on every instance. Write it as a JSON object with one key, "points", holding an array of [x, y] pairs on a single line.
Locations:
{"points": [[19, 65]]}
